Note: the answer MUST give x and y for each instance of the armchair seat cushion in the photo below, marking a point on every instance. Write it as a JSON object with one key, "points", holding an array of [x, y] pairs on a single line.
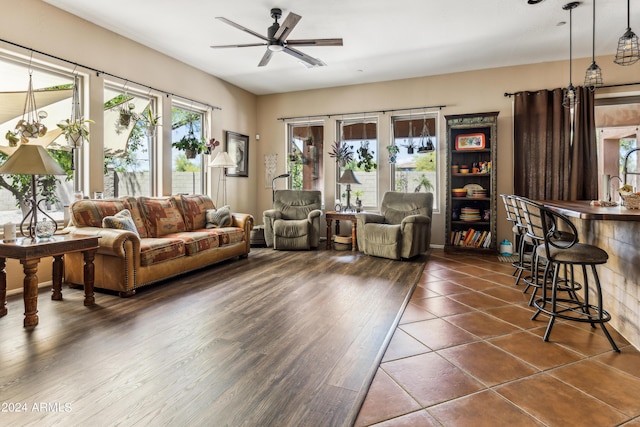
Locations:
{"points": [[383, 240], [291, 234]]}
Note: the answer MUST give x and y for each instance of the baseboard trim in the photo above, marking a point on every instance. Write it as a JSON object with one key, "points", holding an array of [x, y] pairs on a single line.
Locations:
{"points": [[19, 291]]}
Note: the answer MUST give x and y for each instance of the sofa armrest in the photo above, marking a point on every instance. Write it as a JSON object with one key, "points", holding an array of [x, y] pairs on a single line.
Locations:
{"points": [[242, 220], [112, 241]]}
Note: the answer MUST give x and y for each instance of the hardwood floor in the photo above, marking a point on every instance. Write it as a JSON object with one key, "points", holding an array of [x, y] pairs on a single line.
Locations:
{"points": [[281, 339]]}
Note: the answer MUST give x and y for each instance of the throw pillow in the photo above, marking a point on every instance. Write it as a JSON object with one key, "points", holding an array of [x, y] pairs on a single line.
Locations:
{"points": [[120, 221], [161, 215], [194, 208], [217, 218]]}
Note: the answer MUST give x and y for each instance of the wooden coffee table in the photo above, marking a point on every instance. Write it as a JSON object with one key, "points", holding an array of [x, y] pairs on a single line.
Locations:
{"points": [[29, 251], [330, 216]]}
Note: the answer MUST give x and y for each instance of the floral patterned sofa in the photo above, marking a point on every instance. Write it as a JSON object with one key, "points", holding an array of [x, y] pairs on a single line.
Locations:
{"points": [[148, 239]]}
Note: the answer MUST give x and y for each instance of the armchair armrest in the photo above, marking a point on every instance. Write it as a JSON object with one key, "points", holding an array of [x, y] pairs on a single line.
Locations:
{"points": [[416, 219], [272, 213], [316, 213], [367, 217]]}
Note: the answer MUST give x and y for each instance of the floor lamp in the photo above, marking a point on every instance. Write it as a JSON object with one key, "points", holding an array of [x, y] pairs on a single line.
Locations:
{"points": [[222, 161], [31, 159]]}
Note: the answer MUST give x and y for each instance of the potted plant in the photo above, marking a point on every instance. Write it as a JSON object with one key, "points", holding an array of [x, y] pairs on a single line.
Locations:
{"points": [[341, 152], [151, 121], [365, 156], [358, 194], [75, 130], [191, 145], [410, 147], [423, 181], [125, 115], [393, 152]]}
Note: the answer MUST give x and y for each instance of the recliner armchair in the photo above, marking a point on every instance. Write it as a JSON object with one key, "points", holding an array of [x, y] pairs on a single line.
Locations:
{"points": [[401, 230], [294, 221]]}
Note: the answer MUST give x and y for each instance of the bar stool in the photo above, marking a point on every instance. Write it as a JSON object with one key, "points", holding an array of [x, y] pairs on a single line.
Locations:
{"points": [[525, 244], [562, 253]]}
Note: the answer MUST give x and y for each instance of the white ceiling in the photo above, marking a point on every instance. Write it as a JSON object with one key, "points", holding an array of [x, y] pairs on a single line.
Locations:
{"points": [[383, 40]]}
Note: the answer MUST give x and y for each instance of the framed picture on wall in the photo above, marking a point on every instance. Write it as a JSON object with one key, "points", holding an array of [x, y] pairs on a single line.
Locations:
{"points": [[237, 146]]}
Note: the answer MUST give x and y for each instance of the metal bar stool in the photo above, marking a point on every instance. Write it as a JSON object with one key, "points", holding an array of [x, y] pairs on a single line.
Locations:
{"points": [[518, 233], [525, 243], [562, 253]]}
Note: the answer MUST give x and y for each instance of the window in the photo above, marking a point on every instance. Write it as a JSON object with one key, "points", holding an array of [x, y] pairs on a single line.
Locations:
{"points": [[128, 143], [187, 165], [52, 91], [362, 137], [617, 120], [305, 163], [416, 167]]}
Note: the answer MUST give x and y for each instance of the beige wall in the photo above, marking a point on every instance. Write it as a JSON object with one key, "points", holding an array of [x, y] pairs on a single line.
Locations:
{"points": [[469, 92], [66, 36]]}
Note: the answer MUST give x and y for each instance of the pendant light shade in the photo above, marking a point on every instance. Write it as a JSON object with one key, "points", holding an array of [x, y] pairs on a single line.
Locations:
{"points": [[593, 76], [570, 98], [628, 51]]}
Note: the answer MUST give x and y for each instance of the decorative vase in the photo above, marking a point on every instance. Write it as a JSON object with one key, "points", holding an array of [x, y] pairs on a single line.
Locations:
{"points": [[45, 229], [392, 158], [191, 154]]}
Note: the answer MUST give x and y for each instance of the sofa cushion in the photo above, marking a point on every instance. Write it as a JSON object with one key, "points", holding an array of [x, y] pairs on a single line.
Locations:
{"points": [[197, 241], [155, 250], [193, 208], [229, 235], [161, 216], [217, 218], [120, 221], [89, 213], [134, 207]]}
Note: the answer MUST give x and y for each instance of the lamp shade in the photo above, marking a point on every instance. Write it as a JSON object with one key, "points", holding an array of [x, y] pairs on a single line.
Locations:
{"points": [[222, 160], [348, 177], [31, 159]]}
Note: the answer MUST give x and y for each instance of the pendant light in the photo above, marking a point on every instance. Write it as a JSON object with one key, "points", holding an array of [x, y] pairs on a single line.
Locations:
{"points": [[628, 52], [593, 76], [570, 98]]}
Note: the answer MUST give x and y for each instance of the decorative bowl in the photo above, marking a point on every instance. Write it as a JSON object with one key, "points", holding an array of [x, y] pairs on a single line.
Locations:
{"points": [[459, 192]]}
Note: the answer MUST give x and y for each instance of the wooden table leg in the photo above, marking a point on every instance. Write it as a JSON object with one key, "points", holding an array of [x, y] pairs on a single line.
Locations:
{"points": [[89, 276], [30, 290], [329, 233], [3, 287], [354, 244], [56, 290], [337, 227]]}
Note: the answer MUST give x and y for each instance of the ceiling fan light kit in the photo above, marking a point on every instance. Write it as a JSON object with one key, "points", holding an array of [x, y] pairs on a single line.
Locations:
{"points": [[276, 40]]}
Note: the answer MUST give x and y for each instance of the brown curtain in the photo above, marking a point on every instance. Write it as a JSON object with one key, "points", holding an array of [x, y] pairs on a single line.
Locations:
{"points": [[547, 163]]}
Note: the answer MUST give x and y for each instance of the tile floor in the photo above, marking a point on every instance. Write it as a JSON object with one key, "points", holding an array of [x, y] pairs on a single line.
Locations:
{"points": [[466, 354]]}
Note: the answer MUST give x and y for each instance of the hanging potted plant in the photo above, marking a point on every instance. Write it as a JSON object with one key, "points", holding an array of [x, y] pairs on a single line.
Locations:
{"points": [[393, 153], [191, 145], [151, 121], [410, 147], [365, 156], [125, 115], [75, 131], [341, 152]]}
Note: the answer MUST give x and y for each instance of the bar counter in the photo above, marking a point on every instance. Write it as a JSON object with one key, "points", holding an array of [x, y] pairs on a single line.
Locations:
{"points": [[617, 231]]}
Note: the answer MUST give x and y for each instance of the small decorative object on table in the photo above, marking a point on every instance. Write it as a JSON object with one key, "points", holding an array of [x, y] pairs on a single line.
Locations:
{"points": [[631, 199], [45, 229]]}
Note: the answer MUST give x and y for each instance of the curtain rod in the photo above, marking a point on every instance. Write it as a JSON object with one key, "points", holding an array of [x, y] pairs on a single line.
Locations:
{"points": [[507, 94], [98, 72], [440, 107]]}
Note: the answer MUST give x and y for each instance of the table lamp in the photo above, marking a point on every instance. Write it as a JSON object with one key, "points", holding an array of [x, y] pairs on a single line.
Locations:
{"points": [[31, 159], [348, 178]]}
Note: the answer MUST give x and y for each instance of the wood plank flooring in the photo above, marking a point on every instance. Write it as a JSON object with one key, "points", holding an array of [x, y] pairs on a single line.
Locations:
{"points": [[278, 339]]}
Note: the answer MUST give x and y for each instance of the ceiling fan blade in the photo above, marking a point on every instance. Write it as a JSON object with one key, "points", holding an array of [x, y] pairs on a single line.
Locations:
{"points": [[265, 58], [315, 42], [237, 45], [287, 26], [241, 28], [314, 62]]}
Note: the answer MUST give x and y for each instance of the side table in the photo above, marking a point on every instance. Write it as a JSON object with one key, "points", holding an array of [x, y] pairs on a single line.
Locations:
{"points": [[29, 251], [330, 216]]}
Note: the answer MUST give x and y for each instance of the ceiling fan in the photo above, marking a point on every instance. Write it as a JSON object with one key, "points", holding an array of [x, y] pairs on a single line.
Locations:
{"points": [[276, 40]]}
